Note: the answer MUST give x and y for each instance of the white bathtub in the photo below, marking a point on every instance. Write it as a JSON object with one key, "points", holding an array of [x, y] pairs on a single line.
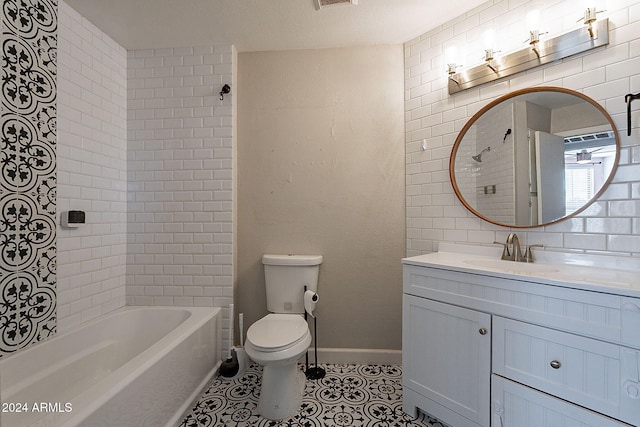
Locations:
{"points": [[137, 366]]}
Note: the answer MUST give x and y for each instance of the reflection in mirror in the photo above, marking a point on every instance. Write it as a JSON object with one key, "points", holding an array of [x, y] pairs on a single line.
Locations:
{"points": [[534, 157]]}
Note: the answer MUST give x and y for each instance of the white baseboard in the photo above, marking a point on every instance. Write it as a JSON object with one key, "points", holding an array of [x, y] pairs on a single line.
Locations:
{"points": [[360, 356]]}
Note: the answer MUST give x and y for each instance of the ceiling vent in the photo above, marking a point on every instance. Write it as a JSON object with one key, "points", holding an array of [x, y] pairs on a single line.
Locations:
{"points": [[323, 3], [589, 137]]}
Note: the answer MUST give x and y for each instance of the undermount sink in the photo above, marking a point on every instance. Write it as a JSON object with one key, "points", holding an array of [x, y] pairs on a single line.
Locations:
{"points": [[511, 266]]}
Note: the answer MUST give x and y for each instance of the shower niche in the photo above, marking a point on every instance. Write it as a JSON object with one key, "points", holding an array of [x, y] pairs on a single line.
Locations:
{"points": [[534, 157]]}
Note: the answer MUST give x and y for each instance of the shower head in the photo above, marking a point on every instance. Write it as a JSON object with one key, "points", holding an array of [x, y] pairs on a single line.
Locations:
{"points": [[478, 157]]}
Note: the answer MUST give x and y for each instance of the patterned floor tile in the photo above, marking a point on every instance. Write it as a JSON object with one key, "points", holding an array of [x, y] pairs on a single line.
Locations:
{"points": [[348, 396]]}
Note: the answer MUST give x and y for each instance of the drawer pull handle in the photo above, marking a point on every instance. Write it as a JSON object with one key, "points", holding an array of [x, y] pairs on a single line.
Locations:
{"points": [[632, 388], [631, 307], [482, 331], [555, 364]]}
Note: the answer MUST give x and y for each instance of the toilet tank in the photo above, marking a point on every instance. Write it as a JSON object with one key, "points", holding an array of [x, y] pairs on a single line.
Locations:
{"points": [[285, 279]]}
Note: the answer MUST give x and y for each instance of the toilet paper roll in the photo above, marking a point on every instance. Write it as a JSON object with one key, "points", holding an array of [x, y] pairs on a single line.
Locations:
{"points": [[310, 300]]}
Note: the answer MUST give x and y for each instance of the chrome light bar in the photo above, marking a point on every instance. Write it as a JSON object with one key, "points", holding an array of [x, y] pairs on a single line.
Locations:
{"points": [[544, 52]]}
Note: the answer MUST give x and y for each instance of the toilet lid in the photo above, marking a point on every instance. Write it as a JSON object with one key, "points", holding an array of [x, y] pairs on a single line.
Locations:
{"points": [[275, 331]]}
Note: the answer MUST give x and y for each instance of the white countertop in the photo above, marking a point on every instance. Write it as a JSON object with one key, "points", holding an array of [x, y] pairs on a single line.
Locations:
{"points": [[599, 273]]}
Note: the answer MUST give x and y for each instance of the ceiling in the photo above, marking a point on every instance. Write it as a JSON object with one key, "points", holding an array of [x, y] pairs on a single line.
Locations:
{"points": [[257, 25]]}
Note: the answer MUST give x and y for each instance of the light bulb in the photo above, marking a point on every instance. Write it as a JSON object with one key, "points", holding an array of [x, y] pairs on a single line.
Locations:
{"points": [[533, 20], [450, 57], [489, 39], [450, 54]]}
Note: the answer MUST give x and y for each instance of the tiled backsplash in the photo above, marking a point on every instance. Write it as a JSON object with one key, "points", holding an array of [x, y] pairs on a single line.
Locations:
{"points": [[92, 161], [612, 223], [28, 180], [180, 159]]}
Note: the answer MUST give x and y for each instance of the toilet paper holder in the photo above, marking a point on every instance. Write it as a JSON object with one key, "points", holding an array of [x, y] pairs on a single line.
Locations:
{"points": [[310, 300]]}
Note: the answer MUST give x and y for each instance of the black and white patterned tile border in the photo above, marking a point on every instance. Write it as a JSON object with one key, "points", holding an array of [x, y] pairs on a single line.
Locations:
{"points": [[348, 396], [28, 173]]}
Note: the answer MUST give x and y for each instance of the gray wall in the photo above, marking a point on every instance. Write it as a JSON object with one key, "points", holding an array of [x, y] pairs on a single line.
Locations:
{"points": [[321, 171]]}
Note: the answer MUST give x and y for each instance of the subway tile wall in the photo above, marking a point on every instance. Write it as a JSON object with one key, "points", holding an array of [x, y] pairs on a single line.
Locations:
{"points": [[92, 165], [145, 149], [501, 204], [611, 225], [180, 159]]}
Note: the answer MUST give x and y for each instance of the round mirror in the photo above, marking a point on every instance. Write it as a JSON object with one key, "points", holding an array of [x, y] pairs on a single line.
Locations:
{"points": [[534, 157]]}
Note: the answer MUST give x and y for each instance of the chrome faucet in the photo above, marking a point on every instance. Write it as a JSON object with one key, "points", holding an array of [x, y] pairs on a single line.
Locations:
{"points": [[512, 251], [516, 252]]}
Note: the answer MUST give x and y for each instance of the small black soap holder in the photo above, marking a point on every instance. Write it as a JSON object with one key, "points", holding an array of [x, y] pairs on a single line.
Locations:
{"points": [[72, 219]]}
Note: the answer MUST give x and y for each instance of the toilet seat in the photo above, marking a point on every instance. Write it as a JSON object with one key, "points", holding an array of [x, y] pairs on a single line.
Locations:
{"points": [[276, 332]]}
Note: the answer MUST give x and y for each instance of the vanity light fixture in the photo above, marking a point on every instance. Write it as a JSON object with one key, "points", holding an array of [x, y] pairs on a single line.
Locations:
{"points": [[489, 41], [533, 24], [451, 70], [538, 52], [489, 58], [589, 19], [534, 39], [450, 55]]}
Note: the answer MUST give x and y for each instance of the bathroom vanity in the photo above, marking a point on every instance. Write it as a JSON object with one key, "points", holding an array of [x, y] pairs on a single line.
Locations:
{"points": [[499, 343]]}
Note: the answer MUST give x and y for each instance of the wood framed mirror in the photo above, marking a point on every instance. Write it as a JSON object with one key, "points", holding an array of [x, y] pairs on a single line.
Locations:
{"points": [[534, 157]]}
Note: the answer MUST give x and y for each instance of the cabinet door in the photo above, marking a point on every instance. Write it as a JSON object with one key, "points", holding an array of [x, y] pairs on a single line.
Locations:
{"points": [[446, 356], [592, 373], [514, 405]]}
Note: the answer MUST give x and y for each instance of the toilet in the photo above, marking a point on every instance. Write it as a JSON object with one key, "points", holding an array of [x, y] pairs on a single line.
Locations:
{"points": [[278, 340]]}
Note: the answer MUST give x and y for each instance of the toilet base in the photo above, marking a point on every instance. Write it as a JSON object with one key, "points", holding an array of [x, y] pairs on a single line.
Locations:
{"points": [[281, 391]]}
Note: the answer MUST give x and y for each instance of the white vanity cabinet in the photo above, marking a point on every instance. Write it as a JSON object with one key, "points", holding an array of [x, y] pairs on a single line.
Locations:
{"points": [[446, 358], [499, 351]]}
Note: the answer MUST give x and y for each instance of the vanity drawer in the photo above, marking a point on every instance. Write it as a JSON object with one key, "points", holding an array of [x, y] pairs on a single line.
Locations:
{"points": [[598, 315], [592, 373], [514, 405]]}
